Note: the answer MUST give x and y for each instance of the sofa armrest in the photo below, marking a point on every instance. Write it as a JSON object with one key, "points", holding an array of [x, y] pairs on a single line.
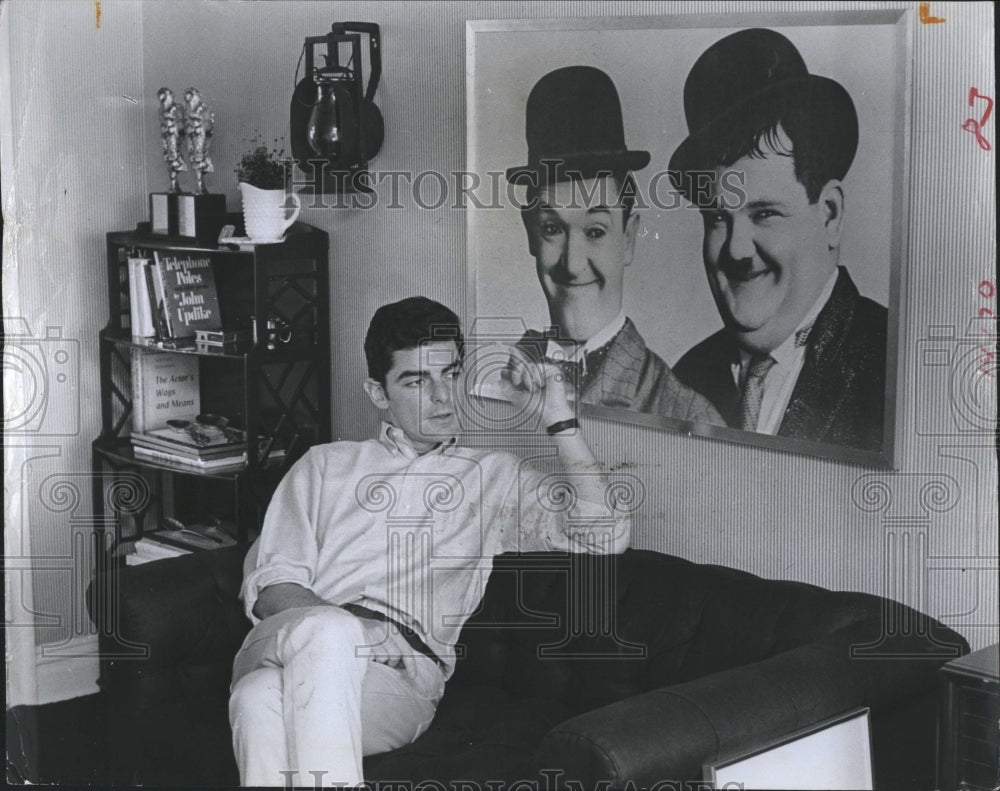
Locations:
{"points": [[671, 732], [169, 625]]}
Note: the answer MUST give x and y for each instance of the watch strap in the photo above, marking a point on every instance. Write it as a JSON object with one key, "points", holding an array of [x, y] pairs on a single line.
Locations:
{"points": [[562, 425]]}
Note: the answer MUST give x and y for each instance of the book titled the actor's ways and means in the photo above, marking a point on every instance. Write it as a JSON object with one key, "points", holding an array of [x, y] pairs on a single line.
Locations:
{"points": [[164, 387], [190, 296]]}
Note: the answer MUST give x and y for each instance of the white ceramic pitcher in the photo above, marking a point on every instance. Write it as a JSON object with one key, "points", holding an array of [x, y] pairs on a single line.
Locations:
{"points": [[264, 213]]}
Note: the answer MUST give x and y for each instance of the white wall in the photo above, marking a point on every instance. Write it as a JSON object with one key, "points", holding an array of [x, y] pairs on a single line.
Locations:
{"points": [[72, 169], [84, 152]]}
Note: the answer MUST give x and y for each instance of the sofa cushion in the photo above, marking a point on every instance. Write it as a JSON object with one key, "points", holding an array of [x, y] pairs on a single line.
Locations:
{"points": [[478, 732], [673, 621]]}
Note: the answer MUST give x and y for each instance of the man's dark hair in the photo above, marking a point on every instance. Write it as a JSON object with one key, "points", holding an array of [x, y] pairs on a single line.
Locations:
{"points": [[405, 325], [625, 195], [817, 145]]}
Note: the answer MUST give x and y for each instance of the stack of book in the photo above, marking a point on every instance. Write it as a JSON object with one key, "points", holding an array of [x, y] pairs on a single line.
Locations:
{"points": [[220, 341], [199, 444]]}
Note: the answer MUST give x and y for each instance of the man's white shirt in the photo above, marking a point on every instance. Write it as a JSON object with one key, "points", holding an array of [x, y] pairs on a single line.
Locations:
{"points": [[414, 535]]}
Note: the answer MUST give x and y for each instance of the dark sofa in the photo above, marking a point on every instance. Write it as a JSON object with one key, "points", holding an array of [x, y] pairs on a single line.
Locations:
{"points": [[691, 663]]}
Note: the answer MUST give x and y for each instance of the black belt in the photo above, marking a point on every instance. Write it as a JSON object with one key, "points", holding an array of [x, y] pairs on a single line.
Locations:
{"points": [[411, 637]]}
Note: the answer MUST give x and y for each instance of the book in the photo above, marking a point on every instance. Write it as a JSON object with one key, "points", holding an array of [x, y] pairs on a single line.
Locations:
{"points": [[190, 296], [190, 537], [220, 337], [146, 551], [219, 464], [181, 451], [125, 308], [140, 309], [230, 462], [198, 433], [187, 436], [155, 294], [164, 387], [221, 341]]}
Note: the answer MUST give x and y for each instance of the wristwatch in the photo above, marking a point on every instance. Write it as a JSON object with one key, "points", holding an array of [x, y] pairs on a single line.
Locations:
{"points": [[562, 425]]}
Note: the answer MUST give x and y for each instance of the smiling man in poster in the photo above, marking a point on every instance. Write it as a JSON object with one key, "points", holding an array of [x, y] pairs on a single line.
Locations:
{"points": [[802, 353], [581, 228]]}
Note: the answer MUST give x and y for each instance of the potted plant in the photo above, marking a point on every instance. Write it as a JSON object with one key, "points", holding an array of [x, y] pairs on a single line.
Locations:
{"points": [[261, 172]]}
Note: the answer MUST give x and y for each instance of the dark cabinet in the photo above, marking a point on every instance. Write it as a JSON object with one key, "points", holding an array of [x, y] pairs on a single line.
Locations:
{"points": [[969, 726]]}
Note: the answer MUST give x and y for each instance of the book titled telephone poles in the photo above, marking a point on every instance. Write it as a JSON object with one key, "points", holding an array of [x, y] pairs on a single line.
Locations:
{"points": [[171, 298]]}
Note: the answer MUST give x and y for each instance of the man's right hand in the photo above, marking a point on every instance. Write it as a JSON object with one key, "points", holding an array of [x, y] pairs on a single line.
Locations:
{"points": [[526, 382]]}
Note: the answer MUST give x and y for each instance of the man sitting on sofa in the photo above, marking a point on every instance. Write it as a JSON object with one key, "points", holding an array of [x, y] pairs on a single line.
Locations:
{"points": [[373, 554]]}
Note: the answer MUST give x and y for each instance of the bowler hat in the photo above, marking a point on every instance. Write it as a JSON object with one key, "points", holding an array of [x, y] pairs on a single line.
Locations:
{"points": [[573, 124], [742, 79]]}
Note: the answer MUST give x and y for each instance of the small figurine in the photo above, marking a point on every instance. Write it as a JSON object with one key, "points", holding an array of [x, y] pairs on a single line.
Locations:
{"points": [[199, 122], [171, 118]]}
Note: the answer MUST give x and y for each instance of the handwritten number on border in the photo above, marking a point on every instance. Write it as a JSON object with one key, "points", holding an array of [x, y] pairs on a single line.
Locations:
{"points": [[974, 126]]}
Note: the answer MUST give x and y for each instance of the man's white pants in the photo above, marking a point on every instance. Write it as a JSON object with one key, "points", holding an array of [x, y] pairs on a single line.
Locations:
{"points": [[307, 698]]}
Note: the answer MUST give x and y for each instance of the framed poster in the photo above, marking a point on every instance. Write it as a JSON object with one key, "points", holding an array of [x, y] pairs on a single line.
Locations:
{"points": [[702, 217]]}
